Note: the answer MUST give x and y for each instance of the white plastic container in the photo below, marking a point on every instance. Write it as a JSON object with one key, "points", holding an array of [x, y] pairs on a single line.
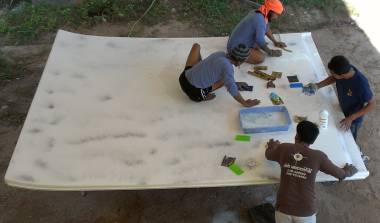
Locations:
{"points": [[323, 119]]}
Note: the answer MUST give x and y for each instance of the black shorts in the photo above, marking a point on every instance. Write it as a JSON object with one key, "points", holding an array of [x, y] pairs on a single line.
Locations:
{"points": [[194, 93]]}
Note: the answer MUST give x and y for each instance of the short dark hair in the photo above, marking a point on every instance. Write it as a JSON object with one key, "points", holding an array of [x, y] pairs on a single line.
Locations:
{"points": [[339, 65], [307, 132]]}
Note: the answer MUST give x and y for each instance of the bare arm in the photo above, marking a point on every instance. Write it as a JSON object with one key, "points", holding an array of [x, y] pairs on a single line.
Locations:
{"points": [[276, 43], [271, 37], [341, 173], [264, 46], [346, 122], [269, 34], [326, 82], [331, 169], [270, 52], [266, 49], [312, 88], [246, 103], [368, 107], [239, 98]]}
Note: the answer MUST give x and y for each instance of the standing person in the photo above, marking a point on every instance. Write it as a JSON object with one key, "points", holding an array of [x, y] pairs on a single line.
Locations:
{"points": [[299, 167], [201, 77], [354, 93], [252, 30]]}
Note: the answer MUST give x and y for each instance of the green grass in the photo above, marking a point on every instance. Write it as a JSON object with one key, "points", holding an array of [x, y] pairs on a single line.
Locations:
{"points": [[310, 4], [329, 5], [28, 22], [217, 16], [328, 8]]}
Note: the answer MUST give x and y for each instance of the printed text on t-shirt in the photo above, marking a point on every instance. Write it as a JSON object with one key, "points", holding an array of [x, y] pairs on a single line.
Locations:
{"points": [[296, 171]]}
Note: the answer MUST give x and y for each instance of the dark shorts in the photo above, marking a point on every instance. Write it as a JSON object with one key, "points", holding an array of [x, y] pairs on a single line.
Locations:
{"points": [[194, 93]]}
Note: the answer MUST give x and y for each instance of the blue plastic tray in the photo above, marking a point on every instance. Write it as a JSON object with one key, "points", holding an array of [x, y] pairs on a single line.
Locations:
{"points": [[269, 109]]}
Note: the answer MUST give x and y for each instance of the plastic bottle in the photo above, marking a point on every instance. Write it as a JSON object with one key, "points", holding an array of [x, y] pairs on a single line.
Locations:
{"points": [[323, 119]]}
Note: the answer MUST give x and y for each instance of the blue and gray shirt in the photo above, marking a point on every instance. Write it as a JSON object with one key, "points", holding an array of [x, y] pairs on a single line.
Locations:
{"points": [[212, 69], [250, 31]]}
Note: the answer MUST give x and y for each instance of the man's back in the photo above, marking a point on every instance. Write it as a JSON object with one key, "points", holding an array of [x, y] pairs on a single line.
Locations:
{"points": [[250, 30], [212, 69], [299, 167]]}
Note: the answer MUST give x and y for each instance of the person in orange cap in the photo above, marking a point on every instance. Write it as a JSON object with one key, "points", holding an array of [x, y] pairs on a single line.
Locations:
{"points": [[252, 29]]}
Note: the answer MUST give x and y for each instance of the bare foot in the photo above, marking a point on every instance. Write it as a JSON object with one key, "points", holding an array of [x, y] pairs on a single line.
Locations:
{"points": [[210, 96]]}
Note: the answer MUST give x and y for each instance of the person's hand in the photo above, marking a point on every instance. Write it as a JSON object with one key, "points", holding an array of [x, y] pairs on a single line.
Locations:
{"points": [[274, 53], [310, 89], [345, 124], [272, 144], [251, 103], [280, 44], [350, 170]]}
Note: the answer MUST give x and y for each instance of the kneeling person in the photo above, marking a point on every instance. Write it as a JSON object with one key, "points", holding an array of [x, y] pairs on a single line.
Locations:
{"points": [[201, 77], [252, 30]]}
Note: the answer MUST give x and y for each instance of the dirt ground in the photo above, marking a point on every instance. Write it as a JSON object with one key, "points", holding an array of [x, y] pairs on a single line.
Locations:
{"points": [[354, 201]]}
